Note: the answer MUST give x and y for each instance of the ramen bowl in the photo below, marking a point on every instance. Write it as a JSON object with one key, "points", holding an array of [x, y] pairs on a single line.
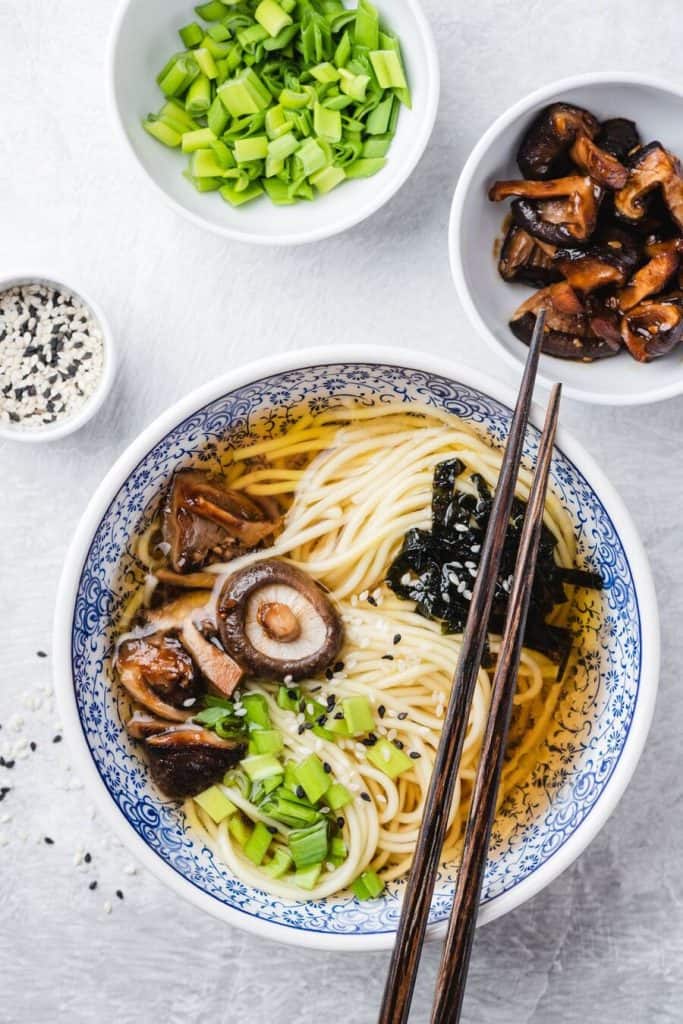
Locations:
{"points": [[146, 32], [598, 731], [476, 224]]}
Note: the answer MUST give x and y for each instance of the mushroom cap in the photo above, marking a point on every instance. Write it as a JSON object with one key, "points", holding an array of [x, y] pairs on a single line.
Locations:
{"points": [[158, 673], [186, 759], [276, 621], [546, 141]]}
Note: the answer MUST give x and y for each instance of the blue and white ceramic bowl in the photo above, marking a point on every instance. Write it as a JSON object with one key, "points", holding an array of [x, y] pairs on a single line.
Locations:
{"points": [[597, 735]]}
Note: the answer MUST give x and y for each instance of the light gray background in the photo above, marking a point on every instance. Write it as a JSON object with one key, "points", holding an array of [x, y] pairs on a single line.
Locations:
{"points": [[605, 942]]}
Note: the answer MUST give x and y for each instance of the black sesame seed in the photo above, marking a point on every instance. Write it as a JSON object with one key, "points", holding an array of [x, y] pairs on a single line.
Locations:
{"points": [[119, 894], [4, 790], [308, 725], [372, 601], [41, 654], [292, 694], [387, 657], [331, 701], [300, 792], [87, 858], [93, 885], [398, 744], [33, 745], [328, 673], [381, 711], [327, 768], [57, 738], [341, 822], [415, 755], [302, 706], [301, 729], [339, 666], [366, 797], [315, 689], [10, 764], [397, 638], [48, 840], [271, 829], [338, 716], [321, 719], [402, 715], [369, 741]]}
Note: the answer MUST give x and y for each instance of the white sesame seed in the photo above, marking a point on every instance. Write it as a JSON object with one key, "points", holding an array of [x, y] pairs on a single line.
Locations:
{"points": [[106, 907]]}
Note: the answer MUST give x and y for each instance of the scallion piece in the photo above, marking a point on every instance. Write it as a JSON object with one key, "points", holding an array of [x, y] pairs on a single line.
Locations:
{"points": [[277, 122], [204, 164], [179, 76], [338, 851], [191, 35], [258, 843], [358, 715], [175, 115], [239, 829], [262, 766], [364, 168], [257, 710], [309, 846], [279, 864], [388, 68], [266, 741], [368, 886], [216, 804], [245, 94], [367, 26], [198, 98], [288, 697], [201, 138], [271, 16], [311, 157], [388, 758], [253, 148], [278, 191], [207, 65], [280, 149], [327, 123], [214, 10], [311, 775], [337, 796], [354, 86], [161, 131], [325, 73], [307, 878], [217, 117], [288, 811]]}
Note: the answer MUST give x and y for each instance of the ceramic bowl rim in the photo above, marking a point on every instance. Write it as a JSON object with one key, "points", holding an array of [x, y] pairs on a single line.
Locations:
{"points": [[546, 93], [387, 186], [244, 376]]}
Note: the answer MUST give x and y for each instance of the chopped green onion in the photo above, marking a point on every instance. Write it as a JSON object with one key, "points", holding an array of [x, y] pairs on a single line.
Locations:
{"points": [[358, 715], [367, 26], [337, 796], [327, 124], [307, 878], [343, 51], [200, 138], [207, 65], [328, 178], [285, 809], [258, 843], [309, 845], [253, 148], [214, 10], [279, 864], [379, 119], [388, 68], [270, 15], [311, 775], [368, 886], [279, 191], [204, 164], [180, 74], [237, 198], [222, 153], [198, 98], [262, 766], [191, 35], [245, 94], [175, 116], [388, 758], [378, 147], [205, 184], [239, 829], [338, 851], [216, 804], [325, 73], [364, 168], [161, 131], [280, 149], [217, 117], [311, 157], [277, 122], [219, 33], [354, 86], [266, 741], [257, 710], [288, 697]]}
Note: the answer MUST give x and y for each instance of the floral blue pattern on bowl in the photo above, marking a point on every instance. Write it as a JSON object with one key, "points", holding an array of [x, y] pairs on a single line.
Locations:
{"points": [[540, 816]]}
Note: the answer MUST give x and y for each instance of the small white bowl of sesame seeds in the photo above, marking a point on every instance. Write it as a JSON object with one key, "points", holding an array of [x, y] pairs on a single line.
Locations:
{"points": [[56, 358]]}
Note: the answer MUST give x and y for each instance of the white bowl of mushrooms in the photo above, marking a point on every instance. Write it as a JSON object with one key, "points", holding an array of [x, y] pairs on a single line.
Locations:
{"points": [[593, 235]]}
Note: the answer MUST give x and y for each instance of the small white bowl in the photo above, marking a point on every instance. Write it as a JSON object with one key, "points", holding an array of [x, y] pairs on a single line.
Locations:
{"points": [[145, 32], [61, 428], [476, 223]]}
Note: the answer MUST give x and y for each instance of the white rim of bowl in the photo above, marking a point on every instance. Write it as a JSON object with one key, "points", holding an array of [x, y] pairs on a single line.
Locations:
{"points": [[544, 93], [358, 213], [57, 430], [405, 359]]}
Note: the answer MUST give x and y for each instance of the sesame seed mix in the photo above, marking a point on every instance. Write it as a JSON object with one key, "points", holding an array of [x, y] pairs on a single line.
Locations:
{"points": [[51, 355]]}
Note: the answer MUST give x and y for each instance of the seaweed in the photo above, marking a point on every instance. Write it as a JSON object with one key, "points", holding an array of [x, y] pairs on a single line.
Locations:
{"points": [[437, 569]]}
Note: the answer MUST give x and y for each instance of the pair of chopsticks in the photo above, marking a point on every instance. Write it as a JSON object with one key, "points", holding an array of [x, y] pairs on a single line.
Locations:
{"points": [[420, 887]]}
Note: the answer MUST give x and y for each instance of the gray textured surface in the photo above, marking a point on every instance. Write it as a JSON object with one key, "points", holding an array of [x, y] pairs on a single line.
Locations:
{"points": [[605, 942]]}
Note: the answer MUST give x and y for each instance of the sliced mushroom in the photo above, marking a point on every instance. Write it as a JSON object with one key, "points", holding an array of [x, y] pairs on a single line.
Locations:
{"points": [[650, 168], [174, 614], [618, 136], [218, 668], [525, 259], [202, 518], [659, 246], [558, 212], [594, 266], [277, 621], [654, 328], [158, 673], [600, 165], [140, 725], [186, 759], [569, 331], [649, 280], [546, 142]]}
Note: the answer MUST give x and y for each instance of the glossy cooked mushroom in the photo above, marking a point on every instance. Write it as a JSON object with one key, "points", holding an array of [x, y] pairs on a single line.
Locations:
{"points": [[525, 259], [158, 673], [650, 168], [654, 328], [588, 268], [558, 212], [545, 144], [573, 330], [202, 517], [600, 165], [277, 622], [186, 759], [140, 725], [649, 280], [618, 136]]}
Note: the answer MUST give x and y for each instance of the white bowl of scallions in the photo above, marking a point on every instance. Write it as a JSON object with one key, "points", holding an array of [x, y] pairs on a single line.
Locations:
{"points": [[274, 121]]}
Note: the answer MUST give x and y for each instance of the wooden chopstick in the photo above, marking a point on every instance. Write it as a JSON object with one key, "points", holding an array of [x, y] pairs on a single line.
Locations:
{"points": [[405, 958], [452, 975]]}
